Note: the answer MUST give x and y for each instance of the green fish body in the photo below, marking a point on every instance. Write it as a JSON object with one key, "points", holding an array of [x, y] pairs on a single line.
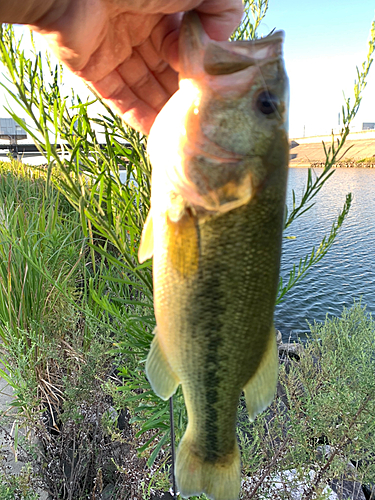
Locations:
{"points": [[220, 151]]}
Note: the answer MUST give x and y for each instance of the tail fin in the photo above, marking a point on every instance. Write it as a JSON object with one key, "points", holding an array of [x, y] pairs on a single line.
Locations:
{"points": [[219, 481]]}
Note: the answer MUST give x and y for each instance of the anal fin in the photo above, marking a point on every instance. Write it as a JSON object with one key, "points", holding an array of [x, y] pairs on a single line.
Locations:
{"points": [[159, 373], [260, 389]]}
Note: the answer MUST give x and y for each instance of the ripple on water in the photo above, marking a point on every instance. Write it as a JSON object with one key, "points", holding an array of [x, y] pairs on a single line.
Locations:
{"points": [[346, 273]]}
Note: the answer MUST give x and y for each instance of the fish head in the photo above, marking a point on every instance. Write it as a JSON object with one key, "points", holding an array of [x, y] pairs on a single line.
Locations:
{"points": [[224, 135]]}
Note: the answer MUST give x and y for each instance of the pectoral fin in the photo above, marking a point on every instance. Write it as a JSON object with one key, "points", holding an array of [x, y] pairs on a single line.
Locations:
{"points": [[260, 389], [183, 243], [159, 373], [146, 247]]}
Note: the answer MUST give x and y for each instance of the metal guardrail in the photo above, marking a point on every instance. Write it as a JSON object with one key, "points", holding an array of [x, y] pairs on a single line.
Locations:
{"points": [[19, 150], [30, 150]]}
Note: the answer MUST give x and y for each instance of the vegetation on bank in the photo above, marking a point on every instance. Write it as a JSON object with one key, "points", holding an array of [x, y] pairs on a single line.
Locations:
{"points": [[63, 353], [363, 163], [371, 160], [83, 406], [76, 316]]}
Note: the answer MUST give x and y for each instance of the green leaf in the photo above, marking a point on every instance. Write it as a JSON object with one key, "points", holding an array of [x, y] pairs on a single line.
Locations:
{"points": [[157, 449]]}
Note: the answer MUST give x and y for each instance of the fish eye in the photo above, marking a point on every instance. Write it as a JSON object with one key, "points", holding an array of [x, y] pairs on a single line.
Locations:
{"points": [[267, 103]]}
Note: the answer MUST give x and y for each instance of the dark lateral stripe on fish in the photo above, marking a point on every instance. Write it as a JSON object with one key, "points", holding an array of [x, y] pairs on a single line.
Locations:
{"points": [[211, 295], [212, 397]]}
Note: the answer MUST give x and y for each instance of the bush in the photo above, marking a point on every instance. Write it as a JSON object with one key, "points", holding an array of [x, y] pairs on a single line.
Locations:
{"points": [[57, 346], [323, 417], [17, 487]]}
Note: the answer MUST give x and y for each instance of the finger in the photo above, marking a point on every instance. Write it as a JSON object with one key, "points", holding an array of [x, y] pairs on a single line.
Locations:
{"points": [[140, 118], [163, 73], [151, 82], [77, 31], [164, 38], [110, 53], [123, 32], [220, 17], [138, 77], [119, 97]]}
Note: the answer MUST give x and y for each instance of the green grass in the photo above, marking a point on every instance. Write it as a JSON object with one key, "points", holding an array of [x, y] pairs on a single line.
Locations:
{"points": [[370, 160], [65, 309], [66, 321], [42, 252]]}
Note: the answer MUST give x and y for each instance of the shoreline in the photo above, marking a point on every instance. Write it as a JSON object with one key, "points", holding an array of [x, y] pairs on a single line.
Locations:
{"points": [[358, 151], [344, 164]]}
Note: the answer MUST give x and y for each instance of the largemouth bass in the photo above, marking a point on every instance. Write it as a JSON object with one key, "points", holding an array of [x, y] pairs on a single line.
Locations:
{"points": [[219, 150]]}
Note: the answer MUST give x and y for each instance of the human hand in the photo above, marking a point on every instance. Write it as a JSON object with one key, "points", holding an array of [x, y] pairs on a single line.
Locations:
{"points": [[126, 50]]}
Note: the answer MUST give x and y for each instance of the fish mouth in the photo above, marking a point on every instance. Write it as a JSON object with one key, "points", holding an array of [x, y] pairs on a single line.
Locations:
{"points": [[199, 54]]}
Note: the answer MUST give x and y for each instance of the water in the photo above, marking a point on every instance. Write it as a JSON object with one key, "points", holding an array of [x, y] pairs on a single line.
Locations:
{"points": [[347, 272]]}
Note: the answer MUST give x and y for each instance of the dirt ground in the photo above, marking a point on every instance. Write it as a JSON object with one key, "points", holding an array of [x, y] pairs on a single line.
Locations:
{"points": [[302, 155]]}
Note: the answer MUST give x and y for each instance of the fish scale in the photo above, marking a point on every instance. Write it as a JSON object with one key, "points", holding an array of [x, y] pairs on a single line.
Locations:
{"points": [[214, 231]]}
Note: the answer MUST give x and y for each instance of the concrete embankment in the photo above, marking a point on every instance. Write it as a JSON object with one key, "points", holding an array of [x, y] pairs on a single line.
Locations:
{"points": [[309, 150]]}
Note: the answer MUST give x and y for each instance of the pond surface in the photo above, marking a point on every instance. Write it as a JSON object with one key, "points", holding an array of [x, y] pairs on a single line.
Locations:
{"points": [[347, 272]]}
